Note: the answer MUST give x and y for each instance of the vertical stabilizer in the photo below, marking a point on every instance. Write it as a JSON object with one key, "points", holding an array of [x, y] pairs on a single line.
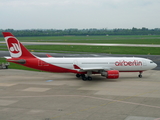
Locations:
{"points": [[16, 49]]}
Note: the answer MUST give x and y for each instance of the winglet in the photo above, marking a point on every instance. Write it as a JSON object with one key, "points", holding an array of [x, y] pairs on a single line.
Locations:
{"points": [[48, 55]]}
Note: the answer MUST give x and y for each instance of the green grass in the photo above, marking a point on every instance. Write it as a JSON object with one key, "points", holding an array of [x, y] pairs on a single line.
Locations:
{"points": [[95, 49], [90, 49], [123, 39]]}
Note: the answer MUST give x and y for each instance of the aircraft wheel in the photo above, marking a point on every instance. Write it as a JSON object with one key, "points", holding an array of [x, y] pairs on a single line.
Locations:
{"points": [[78, 75], [89, 78], [84, 78], [140, 76]]}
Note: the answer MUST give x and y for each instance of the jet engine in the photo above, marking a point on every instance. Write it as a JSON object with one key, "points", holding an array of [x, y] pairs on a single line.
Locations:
{"points": [[111, 74]]}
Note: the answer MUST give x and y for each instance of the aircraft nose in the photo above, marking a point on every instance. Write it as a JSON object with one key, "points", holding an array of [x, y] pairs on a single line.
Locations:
{"points": [[155, 64]]}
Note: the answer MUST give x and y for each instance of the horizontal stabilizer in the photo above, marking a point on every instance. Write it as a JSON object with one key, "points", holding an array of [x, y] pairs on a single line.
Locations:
{"points": [[7, 57], [21, 61]]}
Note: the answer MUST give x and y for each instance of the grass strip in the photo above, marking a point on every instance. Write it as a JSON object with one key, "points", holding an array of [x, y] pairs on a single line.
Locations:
{"points": [[91, 49], [96, 49], [121, 39]]}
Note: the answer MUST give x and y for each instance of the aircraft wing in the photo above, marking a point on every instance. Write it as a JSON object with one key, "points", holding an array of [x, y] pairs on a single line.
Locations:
{"points": [[95, 69]]}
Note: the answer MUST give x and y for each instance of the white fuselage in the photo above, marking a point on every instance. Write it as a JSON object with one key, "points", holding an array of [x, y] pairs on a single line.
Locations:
{"points": [[117, 63]]}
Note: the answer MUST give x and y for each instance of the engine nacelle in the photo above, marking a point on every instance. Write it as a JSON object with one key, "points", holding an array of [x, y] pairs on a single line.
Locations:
{"points": [[111, 74]]}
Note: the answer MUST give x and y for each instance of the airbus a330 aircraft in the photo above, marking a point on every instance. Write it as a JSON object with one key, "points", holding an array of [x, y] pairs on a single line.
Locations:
{"points": [[108, 67]]}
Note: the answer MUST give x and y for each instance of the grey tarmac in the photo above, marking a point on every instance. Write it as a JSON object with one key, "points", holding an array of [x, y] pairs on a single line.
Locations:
{"points": [[28, 95]]}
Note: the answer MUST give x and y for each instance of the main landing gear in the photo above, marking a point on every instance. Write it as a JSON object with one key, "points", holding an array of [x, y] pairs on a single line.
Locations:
{"points": [[140, 75], [84, 77]]}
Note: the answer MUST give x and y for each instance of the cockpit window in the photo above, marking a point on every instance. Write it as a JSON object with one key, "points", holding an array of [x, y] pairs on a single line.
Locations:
{"points": [[151, 62]]}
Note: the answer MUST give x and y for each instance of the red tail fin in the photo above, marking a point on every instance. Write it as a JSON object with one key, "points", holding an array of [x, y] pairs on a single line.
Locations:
{"points": [[16, 49]]}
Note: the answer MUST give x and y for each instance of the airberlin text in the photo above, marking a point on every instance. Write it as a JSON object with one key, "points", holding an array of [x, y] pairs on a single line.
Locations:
{"points": [[128, 63]]}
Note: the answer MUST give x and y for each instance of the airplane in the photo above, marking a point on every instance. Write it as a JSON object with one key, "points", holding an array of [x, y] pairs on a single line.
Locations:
{"points": [[108, 67]]}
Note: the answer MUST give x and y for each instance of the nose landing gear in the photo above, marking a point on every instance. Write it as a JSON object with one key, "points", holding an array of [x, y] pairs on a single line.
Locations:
{"points": [[140, 74]]}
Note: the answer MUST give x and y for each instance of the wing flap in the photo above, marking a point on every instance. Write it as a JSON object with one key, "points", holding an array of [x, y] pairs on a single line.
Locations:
{"points": [[95, 69]]}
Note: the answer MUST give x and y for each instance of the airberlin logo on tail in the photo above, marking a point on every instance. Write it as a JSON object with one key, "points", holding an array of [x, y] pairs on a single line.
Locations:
{"points": [[14, 47], [128, 63]]}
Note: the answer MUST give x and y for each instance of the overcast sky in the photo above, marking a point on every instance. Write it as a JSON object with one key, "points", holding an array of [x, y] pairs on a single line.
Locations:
{"points": [[64, 14]]}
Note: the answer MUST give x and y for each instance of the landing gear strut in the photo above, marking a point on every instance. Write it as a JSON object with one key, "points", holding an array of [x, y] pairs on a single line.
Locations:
{"points": [[84, 78], [140, 75]]}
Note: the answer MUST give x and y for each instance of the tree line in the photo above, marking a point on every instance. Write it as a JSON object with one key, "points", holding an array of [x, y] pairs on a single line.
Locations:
{"points": [[82, 32]]}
